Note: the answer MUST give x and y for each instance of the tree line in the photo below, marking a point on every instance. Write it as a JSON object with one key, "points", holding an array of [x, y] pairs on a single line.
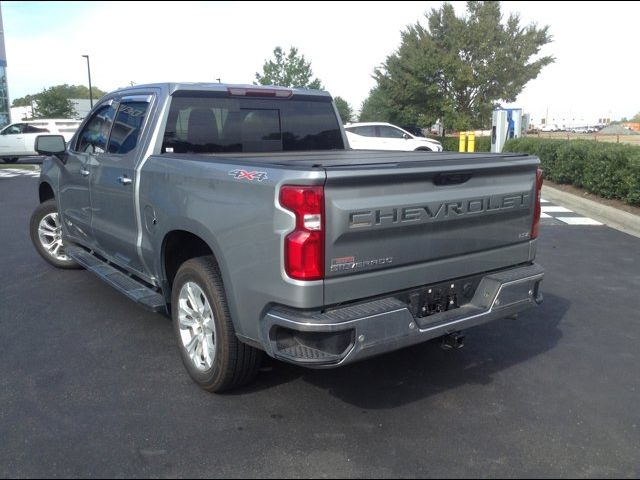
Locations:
{"points": [[456, 69], [55, 102]]}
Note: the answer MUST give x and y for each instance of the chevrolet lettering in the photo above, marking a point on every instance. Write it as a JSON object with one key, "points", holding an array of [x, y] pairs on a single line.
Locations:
{"points": [[438, 211]]}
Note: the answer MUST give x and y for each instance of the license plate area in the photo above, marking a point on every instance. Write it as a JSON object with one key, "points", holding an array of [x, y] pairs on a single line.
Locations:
{"points": [[441, 297]]}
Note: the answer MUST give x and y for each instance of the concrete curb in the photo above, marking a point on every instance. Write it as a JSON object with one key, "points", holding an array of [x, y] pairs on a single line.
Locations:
{"points": [[620, 220]]}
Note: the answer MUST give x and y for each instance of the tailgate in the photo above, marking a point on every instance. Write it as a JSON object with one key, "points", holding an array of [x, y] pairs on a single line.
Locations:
{"points": [[390, 227]]}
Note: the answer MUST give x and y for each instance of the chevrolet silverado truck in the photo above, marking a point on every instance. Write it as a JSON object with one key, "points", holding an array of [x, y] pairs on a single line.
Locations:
{"points": [[242, 213]]}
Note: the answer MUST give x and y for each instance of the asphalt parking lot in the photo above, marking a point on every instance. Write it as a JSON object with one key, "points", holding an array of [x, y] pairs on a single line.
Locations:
{"points": [[91, 385]]}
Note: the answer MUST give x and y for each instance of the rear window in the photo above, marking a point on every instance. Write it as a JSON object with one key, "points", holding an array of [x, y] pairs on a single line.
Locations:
{"points": [[225, 125]]}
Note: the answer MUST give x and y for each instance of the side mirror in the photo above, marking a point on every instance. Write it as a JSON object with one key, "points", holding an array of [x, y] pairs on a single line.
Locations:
{"points": [[50, 145], [406, 136]]}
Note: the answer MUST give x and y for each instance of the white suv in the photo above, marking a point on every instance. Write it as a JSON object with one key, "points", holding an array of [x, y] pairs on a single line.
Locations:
{"points": [[18, 139], [384, 136]]}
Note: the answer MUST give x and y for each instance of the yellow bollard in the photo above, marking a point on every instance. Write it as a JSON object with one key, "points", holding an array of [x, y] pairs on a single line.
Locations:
{"points": [[463, 142], [471, 143]]}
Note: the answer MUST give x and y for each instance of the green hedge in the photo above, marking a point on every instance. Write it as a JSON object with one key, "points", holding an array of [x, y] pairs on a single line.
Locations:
{"points": [[452, 144], [607, 169]]}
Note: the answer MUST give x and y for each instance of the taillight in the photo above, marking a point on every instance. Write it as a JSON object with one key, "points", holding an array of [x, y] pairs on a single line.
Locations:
{"points": [[537, 208], [304, 247]]}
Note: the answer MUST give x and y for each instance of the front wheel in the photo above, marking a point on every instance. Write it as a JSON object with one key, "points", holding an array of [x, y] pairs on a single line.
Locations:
{"points": [[212, 354], [46, 235]]}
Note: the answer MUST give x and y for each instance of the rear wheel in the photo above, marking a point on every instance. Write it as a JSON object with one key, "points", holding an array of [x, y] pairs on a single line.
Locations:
{"points": [[46, 234], [212, 354]]}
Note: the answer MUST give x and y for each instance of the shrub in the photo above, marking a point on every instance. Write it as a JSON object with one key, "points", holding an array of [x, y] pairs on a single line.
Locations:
{"points": [[606, 169]]}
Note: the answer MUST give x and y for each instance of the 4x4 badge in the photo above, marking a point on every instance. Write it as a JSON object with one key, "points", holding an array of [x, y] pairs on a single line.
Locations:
{"points": [[251, 176]]}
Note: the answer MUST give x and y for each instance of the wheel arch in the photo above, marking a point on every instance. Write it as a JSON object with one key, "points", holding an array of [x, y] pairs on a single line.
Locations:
{"points": [[45, 192]]}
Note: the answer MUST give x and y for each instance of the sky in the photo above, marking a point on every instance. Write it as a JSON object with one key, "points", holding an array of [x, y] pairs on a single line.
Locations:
{"points": [[595, 44]]}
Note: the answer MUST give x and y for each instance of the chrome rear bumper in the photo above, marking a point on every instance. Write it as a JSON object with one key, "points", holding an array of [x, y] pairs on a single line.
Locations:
{"points": [[348, 334]]}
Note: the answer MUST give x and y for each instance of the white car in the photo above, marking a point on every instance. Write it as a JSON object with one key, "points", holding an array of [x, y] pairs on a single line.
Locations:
{"points": [[18, 139], [384, 136]]}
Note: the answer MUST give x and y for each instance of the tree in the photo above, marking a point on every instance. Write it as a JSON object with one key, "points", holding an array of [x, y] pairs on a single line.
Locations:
{"points": [[52, 103], [23, 101], [461, 68], [66, 91], [636, 118], [344, 109], [290, 70], [377, 107]]}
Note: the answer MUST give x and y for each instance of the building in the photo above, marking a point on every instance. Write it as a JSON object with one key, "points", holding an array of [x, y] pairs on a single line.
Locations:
{"points": [[5, 114]]}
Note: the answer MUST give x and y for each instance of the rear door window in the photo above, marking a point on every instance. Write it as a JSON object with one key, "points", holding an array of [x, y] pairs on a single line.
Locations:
{"points": [[390, 132], [31, 129], [201, 124], [366, 131], [127, 126]]}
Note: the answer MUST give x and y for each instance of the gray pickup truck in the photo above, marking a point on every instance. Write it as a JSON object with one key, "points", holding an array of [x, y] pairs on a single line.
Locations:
{"points": [[242, 213]]}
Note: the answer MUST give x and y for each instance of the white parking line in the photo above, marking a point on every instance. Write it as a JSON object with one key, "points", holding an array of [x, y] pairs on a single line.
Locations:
{"points": [[578, 220], [554, 209], [542, 200], [545, 215], [16, 172]]}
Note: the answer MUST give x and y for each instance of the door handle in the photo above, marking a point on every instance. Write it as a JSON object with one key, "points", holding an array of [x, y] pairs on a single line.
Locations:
{"points": [[84, 172], [124, 180]]}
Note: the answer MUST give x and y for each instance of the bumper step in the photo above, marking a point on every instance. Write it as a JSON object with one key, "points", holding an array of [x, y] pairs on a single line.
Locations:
{"points": [[135, 290]]}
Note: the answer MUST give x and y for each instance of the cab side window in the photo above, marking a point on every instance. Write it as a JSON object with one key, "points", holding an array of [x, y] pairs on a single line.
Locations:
{"points": [[95, 134], [14, 129], [127, 126]]}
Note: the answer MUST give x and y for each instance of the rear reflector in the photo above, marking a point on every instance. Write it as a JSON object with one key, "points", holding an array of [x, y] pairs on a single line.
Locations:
{"points": [[304, 247], [537, 209]]}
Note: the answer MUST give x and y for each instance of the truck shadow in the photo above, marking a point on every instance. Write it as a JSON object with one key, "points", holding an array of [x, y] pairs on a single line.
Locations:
{"points": [[423, 370]]}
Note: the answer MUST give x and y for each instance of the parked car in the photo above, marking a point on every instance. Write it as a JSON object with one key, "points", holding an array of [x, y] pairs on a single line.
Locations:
{"points": [[384, 136], [241, 212], [18, 139]]}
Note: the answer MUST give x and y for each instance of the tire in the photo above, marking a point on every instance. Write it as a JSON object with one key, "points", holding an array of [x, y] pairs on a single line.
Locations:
{"points": [[224, 363], [10, 160], [44, 228], [423, 149]]}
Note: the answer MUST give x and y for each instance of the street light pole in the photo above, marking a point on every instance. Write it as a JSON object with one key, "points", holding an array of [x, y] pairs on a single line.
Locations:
{"points": [[89, 72]]}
